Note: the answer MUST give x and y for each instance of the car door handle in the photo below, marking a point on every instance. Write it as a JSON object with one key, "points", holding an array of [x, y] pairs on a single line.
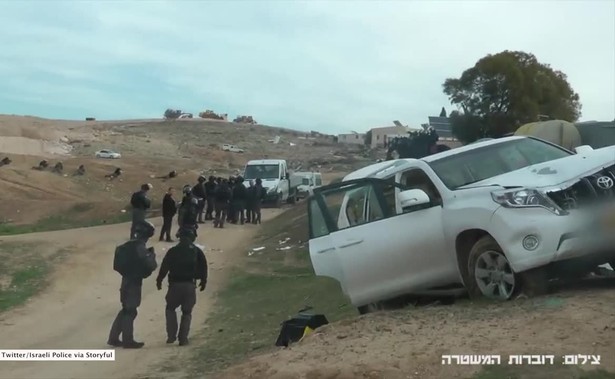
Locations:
{"points": [[351, 243], [325, 250]]}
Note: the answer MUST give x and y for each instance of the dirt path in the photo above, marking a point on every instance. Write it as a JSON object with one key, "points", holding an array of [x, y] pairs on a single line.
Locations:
{"points": [[76, 310]]}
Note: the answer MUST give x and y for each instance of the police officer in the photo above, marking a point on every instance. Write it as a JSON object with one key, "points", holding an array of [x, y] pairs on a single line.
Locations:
{"points": [[188, 209], [199, 192], [140, 204], [132, 272], [259, 196], [238, 202], [185, 263], [250, 200], [223, 197], [210, 188]]}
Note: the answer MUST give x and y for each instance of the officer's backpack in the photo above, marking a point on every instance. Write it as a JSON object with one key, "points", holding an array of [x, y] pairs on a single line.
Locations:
{"points": [[121, 260], [149, 263], [121, 257]]}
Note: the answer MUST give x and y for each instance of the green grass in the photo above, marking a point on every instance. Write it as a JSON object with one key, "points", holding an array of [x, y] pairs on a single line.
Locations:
{"points": [[70, 219], [269, 289], [540, 372], [23, 272]]}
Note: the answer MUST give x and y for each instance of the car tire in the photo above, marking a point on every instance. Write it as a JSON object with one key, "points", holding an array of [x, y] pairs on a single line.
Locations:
{"points": [[489, 274]]}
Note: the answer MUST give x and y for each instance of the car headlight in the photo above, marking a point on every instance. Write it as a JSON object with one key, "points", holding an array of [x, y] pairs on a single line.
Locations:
{"points": [[272, 189], [526, 198]]}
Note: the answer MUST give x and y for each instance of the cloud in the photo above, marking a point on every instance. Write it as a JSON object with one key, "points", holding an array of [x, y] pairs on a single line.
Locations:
{"points": [[334, 66]]}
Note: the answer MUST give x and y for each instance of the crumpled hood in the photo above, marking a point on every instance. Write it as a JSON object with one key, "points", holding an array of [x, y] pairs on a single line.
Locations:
{"points": [[555, 172]]}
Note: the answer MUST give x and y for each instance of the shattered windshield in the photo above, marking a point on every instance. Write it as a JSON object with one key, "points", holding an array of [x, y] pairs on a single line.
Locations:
{"points": [[487, 162], [263, 171]]}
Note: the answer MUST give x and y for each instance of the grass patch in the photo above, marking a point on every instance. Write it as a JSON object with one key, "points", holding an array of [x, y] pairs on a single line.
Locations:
{"points": [[539, 372], [23, 272], [270, 288], [78, 216]]}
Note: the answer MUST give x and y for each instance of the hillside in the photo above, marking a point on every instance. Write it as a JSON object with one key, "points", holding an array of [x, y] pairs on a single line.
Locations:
{"points": [[150, 150]]}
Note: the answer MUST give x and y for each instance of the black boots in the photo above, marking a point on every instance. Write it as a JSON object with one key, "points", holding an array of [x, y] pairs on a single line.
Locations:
{"points": [[132, 345], [127, 345]]}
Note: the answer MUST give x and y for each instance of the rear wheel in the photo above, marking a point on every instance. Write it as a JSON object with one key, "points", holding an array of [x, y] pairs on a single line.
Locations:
{"points": [[489, 272]]}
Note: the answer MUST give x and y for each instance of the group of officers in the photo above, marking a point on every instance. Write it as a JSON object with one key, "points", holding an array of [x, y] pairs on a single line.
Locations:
{"points": [[216, 199]]}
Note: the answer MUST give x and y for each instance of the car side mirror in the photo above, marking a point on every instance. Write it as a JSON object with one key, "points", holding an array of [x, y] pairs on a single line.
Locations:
{"points": [[583, 149], [413, 197]]}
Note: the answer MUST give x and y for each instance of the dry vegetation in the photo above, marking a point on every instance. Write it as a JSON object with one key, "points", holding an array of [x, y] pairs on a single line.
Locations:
{"points": [[150, 150]]}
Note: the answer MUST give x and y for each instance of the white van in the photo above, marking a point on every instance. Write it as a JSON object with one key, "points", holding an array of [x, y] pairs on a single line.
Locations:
{"points": [[309, 181]]}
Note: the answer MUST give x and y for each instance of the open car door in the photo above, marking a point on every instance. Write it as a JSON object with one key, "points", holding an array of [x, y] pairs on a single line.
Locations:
{"points": [[358, 237]]}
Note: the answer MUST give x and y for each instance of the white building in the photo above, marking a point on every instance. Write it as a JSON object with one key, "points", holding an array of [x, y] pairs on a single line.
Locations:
{"points": [[351, 138]]}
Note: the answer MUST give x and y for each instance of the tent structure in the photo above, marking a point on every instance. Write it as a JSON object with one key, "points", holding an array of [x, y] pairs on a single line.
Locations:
{"points": [[562, 133]]}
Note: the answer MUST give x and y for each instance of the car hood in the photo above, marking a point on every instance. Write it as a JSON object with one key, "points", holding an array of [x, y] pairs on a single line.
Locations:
{"points": [[270, 183], [553, 173]]}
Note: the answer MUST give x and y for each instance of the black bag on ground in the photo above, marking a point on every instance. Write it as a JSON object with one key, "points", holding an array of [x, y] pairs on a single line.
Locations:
{"points": [[295, 328]]}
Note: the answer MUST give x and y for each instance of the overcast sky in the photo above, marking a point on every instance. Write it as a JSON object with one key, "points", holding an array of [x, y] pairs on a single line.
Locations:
{"points": [[330, 66]]}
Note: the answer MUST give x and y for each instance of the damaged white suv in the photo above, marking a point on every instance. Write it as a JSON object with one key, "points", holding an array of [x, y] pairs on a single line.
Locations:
{"points": [[486, 217]]}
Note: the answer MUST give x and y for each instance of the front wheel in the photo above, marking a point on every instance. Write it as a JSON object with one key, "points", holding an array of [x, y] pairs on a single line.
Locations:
{"points": [[292, 199], [489, 272]]}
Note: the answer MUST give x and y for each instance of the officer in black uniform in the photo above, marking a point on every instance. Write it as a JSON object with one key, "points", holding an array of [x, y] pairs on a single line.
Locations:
{"points": [[130, 289], [188, 209], [185, 263], [199, 192], [210, 188]]}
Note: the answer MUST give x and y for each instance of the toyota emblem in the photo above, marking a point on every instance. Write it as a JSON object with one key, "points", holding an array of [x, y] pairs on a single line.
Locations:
{"points": [[604, 182]]}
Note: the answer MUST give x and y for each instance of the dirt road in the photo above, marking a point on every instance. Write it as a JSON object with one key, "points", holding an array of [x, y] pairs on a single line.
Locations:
{"points": [[76, 310]]}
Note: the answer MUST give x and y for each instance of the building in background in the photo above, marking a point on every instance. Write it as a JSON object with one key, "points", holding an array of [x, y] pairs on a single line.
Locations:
{"points": [[381, 136], [442, 125], [351, 138]]}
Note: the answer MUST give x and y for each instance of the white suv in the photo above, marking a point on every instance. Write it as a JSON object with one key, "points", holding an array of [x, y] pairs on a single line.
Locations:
{"points": [[487, 217]]}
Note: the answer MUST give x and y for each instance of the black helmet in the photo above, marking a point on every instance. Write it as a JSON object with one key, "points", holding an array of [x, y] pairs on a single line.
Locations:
{"points": [[186, 232], [144, 230], [187, 189]]}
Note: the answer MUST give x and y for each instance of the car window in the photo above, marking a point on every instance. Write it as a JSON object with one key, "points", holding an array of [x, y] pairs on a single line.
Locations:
{"points": [[375, 210], [318, 181], [349, 205], [355, 206], [318, 226], [418, 179]]}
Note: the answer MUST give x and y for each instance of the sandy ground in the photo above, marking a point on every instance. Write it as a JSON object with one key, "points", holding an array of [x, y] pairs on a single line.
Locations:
{"points": [[76, 310], [410, 343]]}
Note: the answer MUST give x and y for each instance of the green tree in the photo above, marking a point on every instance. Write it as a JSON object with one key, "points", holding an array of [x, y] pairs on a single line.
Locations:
{"points": [[506, 90]]}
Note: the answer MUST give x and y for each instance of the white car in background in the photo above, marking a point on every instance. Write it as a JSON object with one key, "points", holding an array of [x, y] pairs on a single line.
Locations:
{"points": [[109, 154], [232, 148]]}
